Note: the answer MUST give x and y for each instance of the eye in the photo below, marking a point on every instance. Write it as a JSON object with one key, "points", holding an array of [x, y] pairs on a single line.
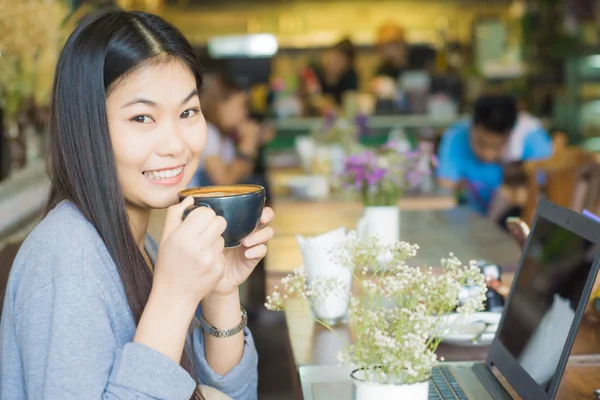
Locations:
{"points": [[189, 113], [142, 119]]}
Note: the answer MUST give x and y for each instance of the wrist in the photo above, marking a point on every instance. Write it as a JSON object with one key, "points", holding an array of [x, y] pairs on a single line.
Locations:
{"points": [[248, 148], [172, 302], [215, 332], [240, 155], [222, 310], [217, 298]]}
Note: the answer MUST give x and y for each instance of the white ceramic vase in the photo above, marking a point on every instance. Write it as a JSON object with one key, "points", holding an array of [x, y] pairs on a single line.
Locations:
{"points": [[364, 389], [332, 308], [381, 221]]}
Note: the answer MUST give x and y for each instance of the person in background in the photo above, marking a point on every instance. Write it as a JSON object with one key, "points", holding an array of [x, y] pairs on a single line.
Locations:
{"points": [[233, 139], [472, 153], [94, 308], [393, 61], [268, 132], [324, 85], [392, 50]]}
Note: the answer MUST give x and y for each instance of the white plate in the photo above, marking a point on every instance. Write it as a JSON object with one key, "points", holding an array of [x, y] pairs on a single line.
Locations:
{"points": [[463, 328]]}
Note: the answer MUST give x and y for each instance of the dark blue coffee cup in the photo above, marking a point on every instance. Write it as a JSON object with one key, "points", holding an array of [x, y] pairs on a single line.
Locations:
{"points": [[240, 205]]}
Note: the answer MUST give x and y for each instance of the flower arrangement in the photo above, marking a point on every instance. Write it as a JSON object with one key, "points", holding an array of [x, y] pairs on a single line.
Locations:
{"points": [[398, 313], [381, 176]]}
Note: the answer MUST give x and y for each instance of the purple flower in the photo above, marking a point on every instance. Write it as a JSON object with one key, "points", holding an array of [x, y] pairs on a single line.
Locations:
{"points": [[413, 177], [358, 182], [413, 155], [376, 176], [390, 145]]}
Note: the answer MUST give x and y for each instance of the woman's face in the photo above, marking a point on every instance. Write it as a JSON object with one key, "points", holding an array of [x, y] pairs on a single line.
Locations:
{"points": [[393, 52], [157, 132], [335, 63], [233, 110]]}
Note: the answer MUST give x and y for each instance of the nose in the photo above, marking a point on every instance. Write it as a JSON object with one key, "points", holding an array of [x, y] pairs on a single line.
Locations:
{"points": [[171, 143]]}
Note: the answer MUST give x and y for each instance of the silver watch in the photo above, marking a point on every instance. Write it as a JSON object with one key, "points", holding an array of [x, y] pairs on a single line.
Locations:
{"points": [[211, 330]]}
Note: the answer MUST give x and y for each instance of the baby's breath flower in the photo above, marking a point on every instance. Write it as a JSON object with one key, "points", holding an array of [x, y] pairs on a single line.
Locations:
{"points": [[399, 311]]}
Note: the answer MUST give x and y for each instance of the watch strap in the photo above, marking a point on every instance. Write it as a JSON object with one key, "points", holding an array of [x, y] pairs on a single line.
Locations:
{"points": [[218, 333], [243, 156]]}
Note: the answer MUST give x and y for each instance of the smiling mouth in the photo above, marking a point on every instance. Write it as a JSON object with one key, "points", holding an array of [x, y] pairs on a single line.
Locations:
{"points": [[163, 174]]}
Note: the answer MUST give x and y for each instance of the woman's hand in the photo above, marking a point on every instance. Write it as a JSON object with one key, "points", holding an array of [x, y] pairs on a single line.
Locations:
{"points": [[190, 263], [240, 261], [268, 131], [190, 260], [249, 132]]}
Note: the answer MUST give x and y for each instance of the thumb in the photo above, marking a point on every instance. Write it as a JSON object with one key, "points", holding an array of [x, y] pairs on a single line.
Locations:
{"points": [[174, 217]]}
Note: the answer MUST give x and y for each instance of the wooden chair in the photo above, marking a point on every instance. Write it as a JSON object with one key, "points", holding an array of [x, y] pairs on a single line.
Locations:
{"points": [[571, 179], [587, 189]]}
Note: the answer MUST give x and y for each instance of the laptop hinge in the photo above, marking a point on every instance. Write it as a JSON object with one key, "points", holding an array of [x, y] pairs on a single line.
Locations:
{"points": [[494, 382]]}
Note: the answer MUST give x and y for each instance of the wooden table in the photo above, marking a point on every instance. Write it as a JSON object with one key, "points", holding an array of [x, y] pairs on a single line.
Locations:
{"points": [[313, 345], [438, 232], [461, 231]]}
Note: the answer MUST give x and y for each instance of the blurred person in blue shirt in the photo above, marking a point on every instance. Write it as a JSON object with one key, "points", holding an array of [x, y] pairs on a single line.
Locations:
{"points": [[472, 153]]}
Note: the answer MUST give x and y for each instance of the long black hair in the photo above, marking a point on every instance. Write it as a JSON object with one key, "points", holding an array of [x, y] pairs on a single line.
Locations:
{"points": [[102, 50]]}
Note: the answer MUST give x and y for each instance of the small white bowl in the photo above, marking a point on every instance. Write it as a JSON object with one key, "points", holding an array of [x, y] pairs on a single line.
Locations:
{"points": [[310, 187]]}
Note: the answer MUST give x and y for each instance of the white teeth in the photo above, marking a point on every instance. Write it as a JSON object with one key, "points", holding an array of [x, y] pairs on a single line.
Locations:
{"points": [[171, 173]]}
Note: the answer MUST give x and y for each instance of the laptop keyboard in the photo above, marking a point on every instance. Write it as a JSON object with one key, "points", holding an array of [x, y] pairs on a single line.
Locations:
{"points": [[443, 385]]}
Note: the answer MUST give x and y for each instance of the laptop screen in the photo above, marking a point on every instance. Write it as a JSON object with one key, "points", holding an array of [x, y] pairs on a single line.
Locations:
{"points": [[547, 293]]}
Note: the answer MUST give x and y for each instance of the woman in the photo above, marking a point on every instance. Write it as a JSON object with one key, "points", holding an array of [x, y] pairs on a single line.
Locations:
{"points": [[326, 84], [393, 62], [226, 160], [392, 49], [91, 310]]}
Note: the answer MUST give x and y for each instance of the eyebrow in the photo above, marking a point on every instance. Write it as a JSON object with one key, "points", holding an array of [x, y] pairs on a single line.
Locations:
{"points": [[154, 104]]}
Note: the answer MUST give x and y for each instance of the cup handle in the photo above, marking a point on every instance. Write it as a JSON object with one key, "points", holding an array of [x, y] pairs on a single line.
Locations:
{"points": [[191, 208]]}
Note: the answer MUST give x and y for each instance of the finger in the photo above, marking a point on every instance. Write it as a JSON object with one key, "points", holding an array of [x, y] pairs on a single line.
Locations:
{"points": [[517, 232], [218, 245], [198, 220], [206, 258], [213, 231], [173, 218], [513, 230], [258, 237], [267, 215], [256, 252]]}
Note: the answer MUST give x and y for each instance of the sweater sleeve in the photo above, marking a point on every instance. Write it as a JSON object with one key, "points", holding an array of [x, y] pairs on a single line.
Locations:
{"points": [[69, 351], [241, 383]]}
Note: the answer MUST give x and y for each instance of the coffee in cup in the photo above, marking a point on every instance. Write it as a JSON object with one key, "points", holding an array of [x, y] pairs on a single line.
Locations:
{"points": [[240, 205]]}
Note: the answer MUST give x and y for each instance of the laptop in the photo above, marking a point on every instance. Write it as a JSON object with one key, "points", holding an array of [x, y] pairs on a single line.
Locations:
{"points": [[538, 327]]}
